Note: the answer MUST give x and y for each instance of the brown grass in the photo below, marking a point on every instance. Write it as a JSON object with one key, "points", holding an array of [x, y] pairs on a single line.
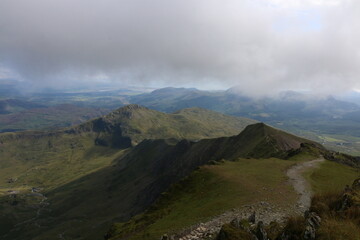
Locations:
{"points": [[334, 228]]}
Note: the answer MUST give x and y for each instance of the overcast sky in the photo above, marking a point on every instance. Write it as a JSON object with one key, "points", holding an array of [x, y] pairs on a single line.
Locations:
{"points": [[258, 45]]}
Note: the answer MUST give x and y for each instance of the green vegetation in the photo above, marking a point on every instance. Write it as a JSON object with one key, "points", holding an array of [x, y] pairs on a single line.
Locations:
{"points": [[81, 175], [209, 191], [48, 117], [340, 213], [348, 144], [324, 120], [137, 123], [332, 216], [114, 167], [330, 177], [50, 161]]}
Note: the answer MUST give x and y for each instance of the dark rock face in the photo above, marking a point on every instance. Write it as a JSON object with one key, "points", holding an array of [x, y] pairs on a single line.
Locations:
{"points": [[350, 197], [242, 229], [261, 234], [252, 218], [312, 223], [356, 185]]}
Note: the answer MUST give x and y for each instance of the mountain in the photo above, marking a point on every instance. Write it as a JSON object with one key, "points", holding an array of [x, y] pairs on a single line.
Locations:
{"points": [[137, 178], [66, 165], [243, 169], [130, 125], [233, 102], [89, 141], [328, 120]]}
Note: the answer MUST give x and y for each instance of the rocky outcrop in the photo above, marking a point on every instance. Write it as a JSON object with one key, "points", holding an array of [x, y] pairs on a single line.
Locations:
{"points": [[312, 221], [243, 229], [261, 233]]}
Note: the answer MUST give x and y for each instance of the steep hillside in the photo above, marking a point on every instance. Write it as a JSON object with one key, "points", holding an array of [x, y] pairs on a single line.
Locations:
{"points": [[55, 163], [138, 178], [255, 174]]}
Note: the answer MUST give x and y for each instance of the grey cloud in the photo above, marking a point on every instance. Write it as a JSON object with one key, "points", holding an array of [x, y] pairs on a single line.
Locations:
{"points": [[181, 42]]}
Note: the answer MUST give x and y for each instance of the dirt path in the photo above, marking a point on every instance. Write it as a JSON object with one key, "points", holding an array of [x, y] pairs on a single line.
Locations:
{"points": [[301, 186], [264, 211]]}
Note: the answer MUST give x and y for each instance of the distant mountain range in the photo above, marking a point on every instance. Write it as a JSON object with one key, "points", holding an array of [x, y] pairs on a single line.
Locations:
{"points": [[285, 106], [326, 120]]}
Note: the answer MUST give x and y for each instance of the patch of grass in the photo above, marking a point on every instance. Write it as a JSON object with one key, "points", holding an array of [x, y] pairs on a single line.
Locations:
{"points": [[210, 191], [330, 177], [51, 161], [336, 228]]}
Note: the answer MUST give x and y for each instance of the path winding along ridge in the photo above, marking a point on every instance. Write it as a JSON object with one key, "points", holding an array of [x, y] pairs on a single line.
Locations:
{"points": [[264, 211], [301, 186]]}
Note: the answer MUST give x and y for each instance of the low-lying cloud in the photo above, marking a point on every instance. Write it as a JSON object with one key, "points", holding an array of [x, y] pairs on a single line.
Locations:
{"points": [[259, 45]]}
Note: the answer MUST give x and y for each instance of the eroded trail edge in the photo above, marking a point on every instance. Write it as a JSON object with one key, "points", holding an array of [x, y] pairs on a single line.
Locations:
{"points": [[301, 186]]}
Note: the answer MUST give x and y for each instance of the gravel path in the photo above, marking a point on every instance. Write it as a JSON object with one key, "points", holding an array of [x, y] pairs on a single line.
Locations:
{"points": [[301, 186]]}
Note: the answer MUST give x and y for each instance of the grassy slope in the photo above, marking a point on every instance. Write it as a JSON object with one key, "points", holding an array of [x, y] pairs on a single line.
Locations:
{"points": [[48, 117], [50, 161], [210, 191], [44, 162], [331, 176]]}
